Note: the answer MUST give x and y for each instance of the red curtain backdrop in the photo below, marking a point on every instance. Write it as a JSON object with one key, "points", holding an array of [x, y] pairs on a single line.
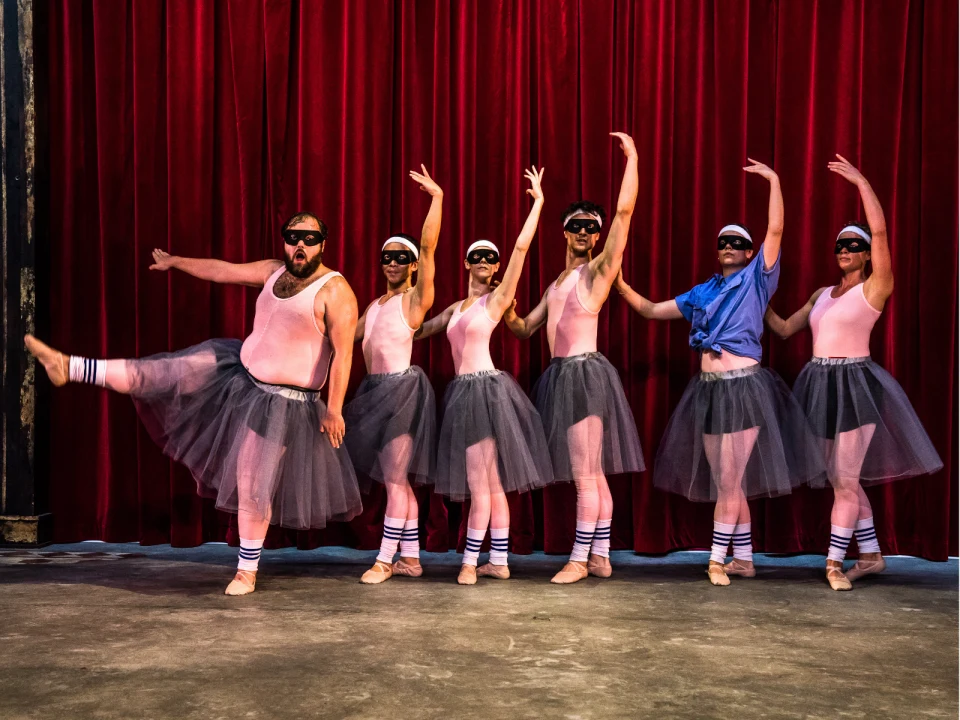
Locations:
{"points": [[198, 126]]}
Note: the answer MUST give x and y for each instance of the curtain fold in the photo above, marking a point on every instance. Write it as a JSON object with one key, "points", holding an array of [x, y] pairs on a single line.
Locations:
{"points": [[196, 127]]}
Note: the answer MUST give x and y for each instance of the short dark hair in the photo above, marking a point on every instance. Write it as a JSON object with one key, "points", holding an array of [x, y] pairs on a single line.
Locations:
{"points": [[303, 217], [583, 206], [865, 228]]}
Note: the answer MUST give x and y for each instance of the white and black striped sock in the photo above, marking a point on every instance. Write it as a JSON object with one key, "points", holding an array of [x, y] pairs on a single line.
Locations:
{"points": [[85, 370], [410, 540], [722, 536], [392, 531], [249, 554], [866, 536], [742, 543], [839, 539], [472, 551], [499, 537], [581, 546], [601, 539]]}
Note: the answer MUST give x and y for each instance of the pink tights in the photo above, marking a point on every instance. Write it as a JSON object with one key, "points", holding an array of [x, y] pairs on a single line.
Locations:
{"points": [[844, 461], [727, 455]]}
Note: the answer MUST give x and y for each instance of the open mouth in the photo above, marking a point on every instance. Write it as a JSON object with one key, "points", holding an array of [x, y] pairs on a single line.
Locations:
{"points": [[300, 255]]}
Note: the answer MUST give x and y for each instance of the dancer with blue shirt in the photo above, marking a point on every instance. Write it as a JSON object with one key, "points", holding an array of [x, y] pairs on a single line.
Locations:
{"points": [[737, 432]]}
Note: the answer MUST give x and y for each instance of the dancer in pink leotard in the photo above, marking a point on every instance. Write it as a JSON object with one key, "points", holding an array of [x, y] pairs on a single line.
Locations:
{"points": [[392, 419], [588, 423], [491, 439], [247, 419], [867, 427]]}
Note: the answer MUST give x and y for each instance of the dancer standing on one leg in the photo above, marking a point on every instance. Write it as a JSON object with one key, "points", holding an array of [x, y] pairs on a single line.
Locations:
{"points": [[491, 440], [392, 417], [588, 423], [247, 419], [868, 428], [737, 432]]}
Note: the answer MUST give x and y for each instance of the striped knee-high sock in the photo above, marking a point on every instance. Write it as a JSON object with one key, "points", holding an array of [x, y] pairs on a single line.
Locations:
{"points": [[866, 536], [722, 536], [392, 531], [85, 370], [839, 539], [499, 537], [474, 540], [410, 540], [249, 557], [601, 539], [742, 543], [581, 546]]}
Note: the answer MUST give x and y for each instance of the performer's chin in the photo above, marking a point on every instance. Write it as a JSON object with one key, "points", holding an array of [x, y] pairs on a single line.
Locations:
{"points": [[303, 268]]}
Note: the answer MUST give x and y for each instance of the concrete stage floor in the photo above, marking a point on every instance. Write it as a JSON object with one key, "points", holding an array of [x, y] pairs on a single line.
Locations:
{"points": [[123, 631]]}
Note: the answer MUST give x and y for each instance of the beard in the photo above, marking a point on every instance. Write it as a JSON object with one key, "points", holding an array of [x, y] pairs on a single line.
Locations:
{"points": [[306, 270]]}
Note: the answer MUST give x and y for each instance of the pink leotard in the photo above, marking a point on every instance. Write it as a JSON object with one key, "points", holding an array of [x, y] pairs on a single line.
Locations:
{"points": [[469, 335], [286, 347], [571, 328], [841, 326], [387, 339]]}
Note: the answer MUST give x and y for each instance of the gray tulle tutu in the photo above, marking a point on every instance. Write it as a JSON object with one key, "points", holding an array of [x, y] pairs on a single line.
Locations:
{"points": [[784, 455], [490, 404], [204, 409], [842, 394], [386, 406], [574, 388]]}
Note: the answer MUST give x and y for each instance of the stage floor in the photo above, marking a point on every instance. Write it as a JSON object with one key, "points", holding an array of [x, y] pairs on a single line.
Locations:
{"points": [[122, 631]]}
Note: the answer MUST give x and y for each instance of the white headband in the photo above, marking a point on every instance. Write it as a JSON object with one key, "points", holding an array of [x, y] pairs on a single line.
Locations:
{"points": [[486, 244], [855, 229], [402, 241], [737, 229], [583, 212]]}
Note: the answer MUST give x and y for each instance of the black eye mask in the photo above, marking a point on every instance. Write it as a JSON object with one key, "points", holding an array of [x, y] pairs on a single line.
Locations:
{"points": [[737, 242], [309, 237], [854, 245], [402, 257], [574, 226], [491, 256]]}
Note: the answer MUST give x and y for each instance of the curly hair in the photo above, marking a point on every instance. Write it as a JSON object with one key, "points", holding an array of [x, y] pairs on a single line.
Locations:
{"points": [[583, 206], [304, 217]]}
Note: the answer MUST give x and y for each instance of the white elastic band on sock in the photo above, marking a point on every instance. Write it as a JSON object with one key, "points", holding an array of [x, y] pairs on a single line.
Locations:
{"points": [[737, 229], [472, 550], [499, 538], [582, 212], [403, 241], [856, 231], [249, 555], [485, 244], [410, 540]]}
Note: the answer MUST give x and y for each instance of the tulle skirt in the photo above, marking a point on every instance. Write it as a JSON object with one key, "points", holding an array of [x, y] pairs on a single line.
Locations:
{"points": [[840, 395], [573, 389], [388, 406], [490, 406], [746, 416], [249, 445]]}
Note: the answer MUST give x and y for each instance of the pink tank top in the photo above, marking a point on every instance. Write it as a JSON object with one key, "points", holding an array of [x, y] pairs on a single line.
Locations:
{"points": [[286, 347], [571, 328], [469, 335], [841, 326], [387, 339]]}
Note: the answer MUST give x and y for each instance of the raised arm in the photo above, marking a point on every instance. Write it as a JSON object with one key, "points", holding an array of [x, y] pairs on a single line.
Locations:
{"points": [[340, 319], [793, 324], [607, 264], [771, 243], [666, 310], [525, 327], [436, 324], [879, 286], [421, 299], [253, 274], [503, 296]]}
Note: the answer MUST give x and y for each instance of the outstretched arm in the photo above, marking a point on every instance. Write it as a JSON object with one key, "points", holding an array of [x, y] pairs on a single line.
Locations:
{"points": [[525, 327], [666, 310], [436, 324], [771, 243], [879, 286], [793, 324], [421, 299], [340, 318], [607, 264], [254, 274], [503, 296]]}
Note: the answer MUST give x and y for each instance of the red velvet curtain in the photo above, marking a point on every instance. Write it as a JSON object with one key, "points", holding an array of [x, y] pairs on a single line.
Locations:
{"points": [[197, 126]]}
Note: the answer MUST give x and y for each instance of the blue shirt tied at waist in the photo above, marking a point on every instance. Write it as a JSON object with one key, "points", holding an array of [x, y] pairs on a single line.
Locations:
{"points": [[726, 313]]}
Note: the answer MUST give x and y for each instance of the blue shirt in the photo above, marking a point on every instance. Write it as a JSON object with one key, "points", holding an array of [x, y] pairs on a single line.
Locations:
{"points": [[726, 313]]}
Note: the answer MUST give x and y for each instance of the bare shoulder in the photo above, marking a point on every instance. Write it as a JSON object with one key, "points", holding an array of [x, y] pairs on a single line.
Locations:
{"points": [[817, 293]]}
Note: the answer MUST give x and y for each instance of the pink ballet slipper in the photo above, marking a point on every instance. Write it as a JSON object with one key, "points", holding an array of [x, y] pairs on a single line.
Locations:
{"points": [[743, 568], [500, 572], [243, 583], [599, 566], [402, 567], [380, 572], [572, 572], [866, 566]]}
